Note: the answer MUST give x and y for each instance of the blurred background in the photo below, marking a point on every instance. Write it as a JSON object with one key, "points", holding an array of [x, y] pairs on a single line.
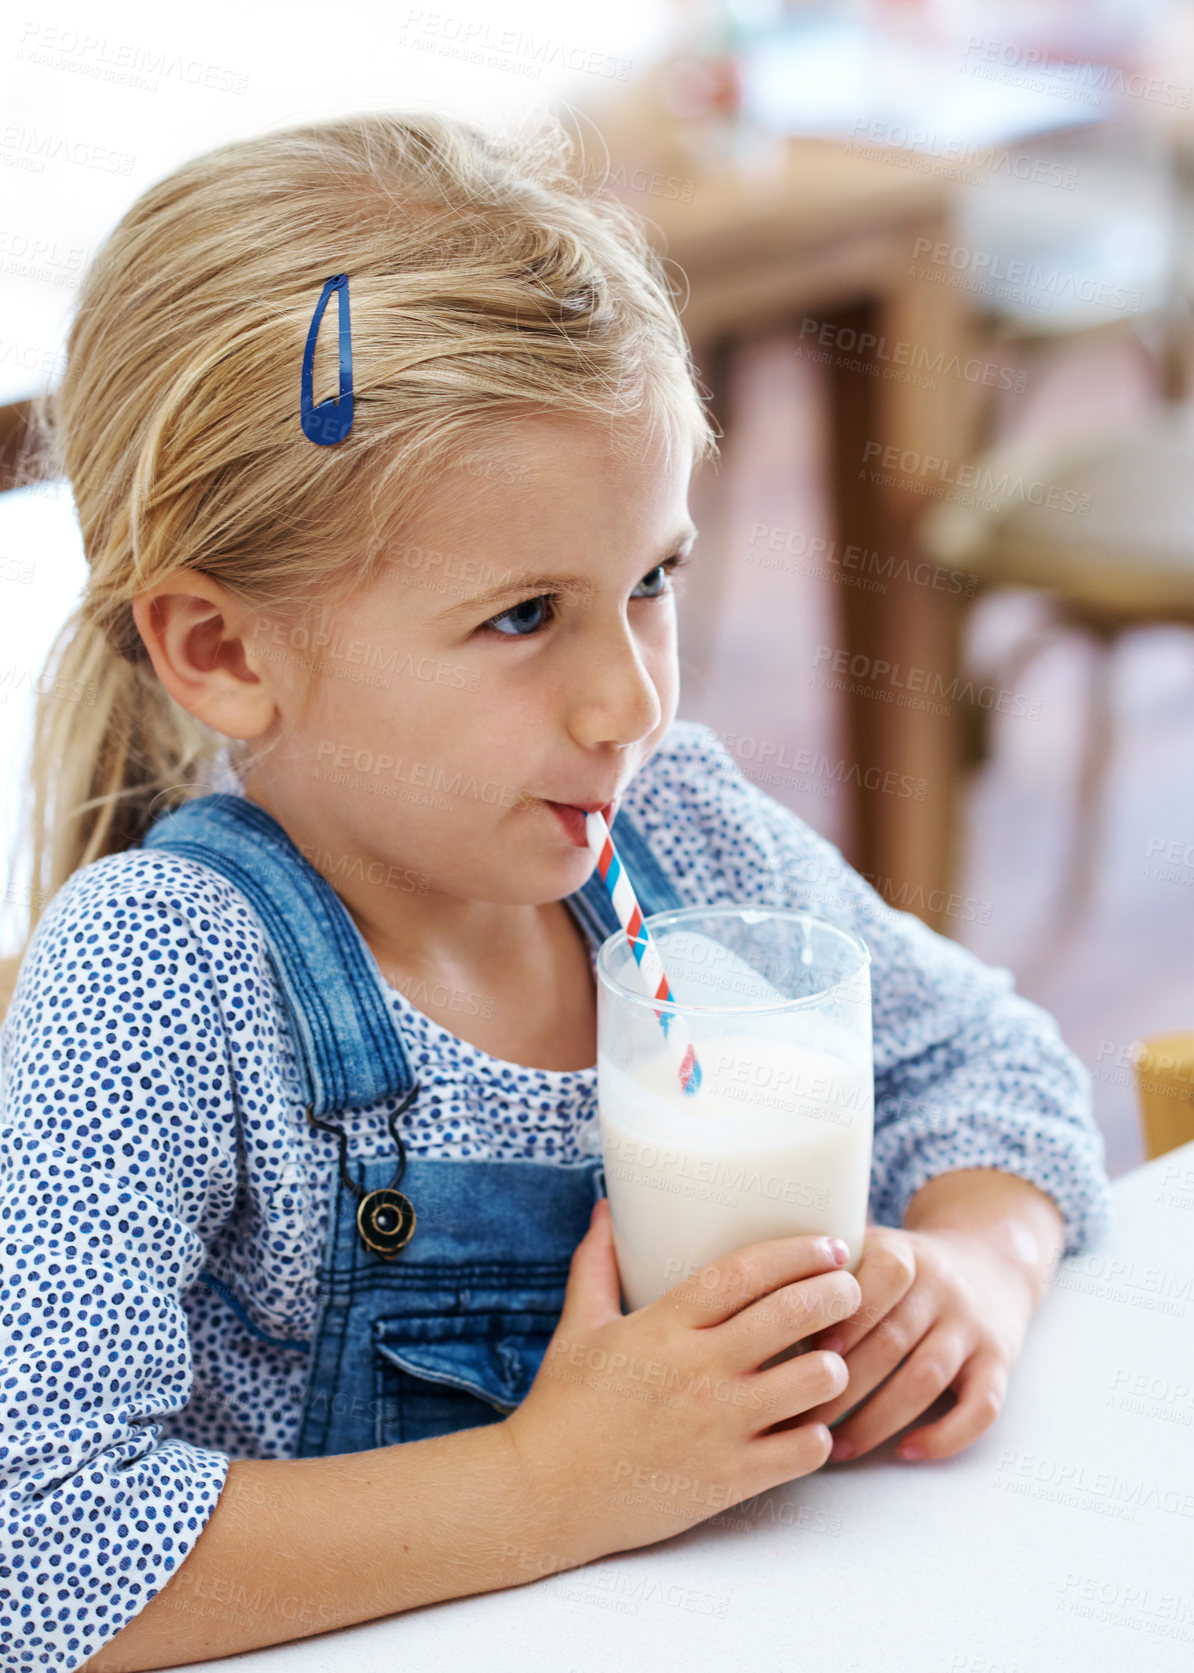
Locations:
{"points": [[937, 270]]}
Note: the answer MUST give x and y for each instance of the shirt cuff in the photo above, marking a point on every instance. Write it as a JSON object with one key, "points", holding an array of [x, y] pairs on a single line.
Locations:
{"points": [[135, 1521]]}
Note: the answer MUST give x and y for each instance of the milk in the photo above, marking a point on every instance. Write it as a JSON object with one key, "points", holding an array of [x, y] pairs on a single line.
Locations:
{"points": [[776, 1142]]}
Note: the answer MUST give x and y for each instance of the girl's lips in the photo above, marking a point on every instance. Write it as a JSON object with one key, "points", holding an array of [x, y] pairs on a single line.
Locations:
{"points": [[573, 821]]}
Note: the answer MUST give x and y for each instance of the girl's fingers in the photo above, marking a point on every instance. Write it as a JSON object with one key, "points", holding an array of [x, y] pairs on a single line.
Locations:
{"points": [[932, 1369], [749, 1276], [880, 1351], [797, 1450], [791, 1390], [981, 1390], [885, 1274], [785, 1316]]}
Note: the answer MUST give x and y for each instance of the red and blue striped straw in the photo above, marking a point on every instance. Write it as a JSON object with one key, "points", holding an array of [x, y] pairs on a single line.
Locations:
{"points": [[651, 975]]}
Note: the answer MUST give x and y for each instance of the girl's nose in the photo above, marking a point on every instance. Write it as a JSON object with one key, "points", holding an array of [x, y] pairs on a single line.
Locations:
{"points": [[613, 698]]}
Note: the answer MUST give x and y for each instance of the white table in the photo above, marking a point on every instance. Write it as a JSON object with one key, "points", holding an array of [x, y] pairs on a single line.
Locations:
{"points": [[1062, 1540]]}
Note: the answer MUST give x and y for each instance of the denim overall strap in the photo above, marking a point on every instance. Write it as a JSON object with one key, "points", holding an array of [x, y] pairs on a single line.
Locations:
{"points": [[350, 1051]]}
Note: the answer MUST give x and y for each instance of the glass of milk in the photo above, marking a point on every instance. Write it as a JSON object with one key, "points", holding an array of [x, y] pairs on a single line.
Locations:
{"points": [[777, 1139]]}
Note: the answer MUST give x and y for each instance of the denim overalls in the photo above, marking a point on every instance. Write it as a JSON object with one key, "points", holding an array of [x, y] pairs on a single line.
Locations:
{"points": [[449, 1332]]}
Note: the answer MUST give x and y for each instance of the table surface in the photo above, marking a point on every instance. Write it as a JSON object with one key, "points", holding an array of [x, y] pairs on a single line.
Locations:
{"points": [[810, 194], [1060, 1540]]}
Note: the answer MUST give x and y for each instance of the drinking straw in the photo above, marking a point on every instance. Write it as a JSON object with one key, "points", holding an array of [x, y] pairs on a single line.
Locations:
{"points": [[649, 969]]}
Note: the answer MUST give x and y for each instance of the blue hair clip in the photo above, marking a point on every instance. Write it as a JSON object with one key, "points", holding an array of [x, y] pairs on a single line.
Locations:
{"points": [[331, 420]]}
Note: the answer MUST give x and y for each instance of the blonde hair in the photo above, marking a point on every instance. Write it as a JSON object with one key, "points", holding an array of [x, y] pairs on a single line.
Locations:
{"points": [[487, 281]]}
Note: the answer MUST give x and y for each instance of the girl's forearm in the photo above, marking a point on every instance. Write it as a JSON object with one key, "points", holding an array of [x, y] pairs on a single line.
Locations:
{"points": [[1014, 1217], [301, 1546]]}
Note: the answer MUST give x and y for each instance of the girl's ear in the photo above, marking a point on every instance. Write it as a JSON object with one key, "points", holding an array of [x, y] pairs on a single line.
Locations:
{"points": [[201, 642]]}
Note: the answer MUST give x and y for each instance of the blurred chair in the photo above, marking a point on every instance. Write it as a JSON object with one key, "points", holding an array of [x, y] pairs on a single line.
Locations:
{"points": [[1113, 553], [1163, 1065], [1127, 563], [1097, 208]]}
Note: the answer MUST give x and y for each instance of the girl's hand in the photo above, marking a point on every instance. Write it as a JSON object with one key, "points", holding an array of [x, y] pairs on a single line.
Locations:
{"points": [[640, 1424], [947, 1309]]}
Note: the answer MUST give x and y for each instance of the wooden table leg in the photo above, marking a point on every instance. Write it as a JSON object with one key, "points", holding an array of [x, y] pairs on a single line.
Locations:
{"points": [[901, 638]]}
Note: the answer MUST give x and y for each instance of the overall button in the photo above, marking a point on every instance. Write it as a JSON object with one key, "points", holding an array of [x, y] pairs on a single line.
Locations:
{"points": [[386, 1221]]}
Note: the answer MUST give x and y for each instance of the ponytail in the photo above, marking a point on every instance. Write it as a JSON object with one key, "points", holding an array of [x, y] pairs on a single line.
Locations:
{"points": [[111, 751]]}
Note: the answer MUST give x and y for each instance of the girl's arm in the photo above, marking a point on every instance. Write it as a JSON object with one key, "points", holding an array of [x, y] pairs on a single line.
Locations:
{"points": [[117, 1167], [1016, 1220], [307, 1545], [118, 1163]]}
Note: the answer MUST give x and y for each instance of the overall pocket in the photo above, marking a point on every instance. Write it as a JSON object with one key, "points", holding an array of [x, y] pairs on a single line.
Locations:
{"points": [[438, 1373]]}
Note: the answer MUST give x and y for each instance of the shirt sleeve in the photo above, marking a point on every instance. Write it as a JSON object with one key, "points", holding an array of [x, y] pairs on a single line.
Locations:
{"points": [[117, 1159], [968, 1073]]}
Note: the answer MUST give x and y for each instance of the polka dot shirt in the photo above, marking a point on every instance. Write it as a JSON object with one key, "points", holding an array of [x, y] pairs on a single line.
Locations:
{"points": [[152, 1124]]}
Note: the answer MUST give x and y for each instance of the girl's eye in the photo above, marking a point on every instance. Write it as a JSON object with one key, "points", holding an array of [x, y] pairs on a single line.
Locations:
{"points": [[527, 615]]}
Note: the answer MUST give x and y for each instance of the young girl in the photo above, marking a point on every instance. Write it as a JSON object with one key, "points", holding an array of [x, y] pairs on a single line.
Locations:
{"points": [[318, 958]]}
